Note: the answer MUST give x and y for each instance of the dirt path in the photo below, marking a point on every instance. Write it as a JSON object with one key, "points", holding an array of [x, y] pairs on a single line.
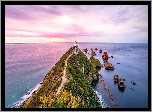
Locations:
{"points": [[64, 79]]}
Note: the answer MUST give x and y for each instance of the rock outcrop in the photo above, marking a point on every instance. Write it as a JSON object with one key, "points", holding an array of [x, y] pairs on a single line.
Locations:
{"points": [[133, 83], [119, 81], [116, 78], [100, 51], [95, 79], [85, 50], [121, 84], [93, 53], [105, 56], [108, 66]]}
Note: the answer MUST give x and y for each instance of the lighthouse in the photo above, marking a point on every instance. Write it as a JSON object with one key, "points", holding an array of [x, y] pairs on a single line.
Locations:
{"points": [[75, 48], [75, 44]]}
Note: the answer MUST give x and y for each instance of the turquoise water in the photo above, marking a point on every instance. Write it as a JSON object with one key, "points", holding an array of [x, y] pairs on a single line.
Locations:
{"points": [[27, 64]]}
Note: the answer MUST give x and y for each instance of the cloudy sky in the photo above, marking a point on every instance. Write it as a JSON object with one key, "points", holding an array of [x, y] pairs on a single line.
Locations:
{"points": [[83, 23]]}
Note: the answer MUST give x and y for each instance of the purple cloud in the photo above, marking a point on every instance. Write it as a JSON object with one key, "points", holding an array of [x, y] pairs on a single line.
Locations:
{"points": [[78, 21]]}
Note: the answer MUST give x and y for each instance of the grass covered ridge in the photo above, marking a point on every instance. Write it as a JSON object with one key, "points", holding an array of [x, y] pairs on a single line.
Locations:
{"points": [[77, 91]]}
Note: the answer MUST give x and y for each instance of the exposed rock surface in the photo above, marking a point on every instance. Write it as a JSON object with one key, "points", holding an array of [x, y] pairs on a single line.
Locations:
{"points": [[108, 66], [85, 50], [105, 56], [93, 53], [100, 51], [116, 78]]}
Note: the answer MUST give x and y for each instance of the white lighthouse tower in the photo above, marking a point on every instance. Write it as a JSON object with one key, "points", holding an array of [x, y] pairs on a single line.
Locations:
{"points": [[75, 48], [75, 44]]}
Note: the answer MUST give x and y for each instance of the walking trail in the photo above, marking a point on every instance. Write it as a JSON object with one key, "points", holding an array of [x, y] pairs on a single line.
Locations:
{"points": [[64, 79]]}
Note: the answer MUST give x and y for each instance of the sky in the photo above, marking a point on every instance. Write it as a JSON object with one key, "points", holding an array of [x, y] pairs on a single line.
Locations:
{"points": [[81, 23]]}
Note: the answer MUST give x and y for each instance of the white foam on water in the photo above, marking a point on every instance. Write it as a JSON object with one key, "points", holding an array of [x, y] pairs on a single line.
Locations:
{"points": [[26, 96], [29, 93], [101, 100]]}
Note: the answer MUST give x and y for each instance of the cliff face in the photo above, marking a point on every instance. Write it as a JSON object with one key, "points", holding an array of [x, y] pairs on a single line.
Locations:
{"points": [[75, 92]]}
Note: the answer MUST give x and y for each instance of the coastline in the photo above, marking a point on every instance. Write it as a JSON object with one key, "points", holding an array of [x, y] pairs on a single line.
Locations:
{"points": [[100, 99], [110, 96], [27, 96], [116, 52]]}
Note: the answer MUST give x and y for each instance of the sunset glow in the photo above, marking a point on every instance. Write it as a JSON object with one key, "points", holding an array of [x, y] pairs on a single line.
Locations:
{"points": [[84, 23], [33, 40]]}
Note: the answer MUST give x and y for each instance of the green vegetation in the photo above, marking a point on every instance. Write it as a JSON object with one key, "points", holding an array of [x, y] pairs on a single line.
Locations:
{"points": [[95, 63], [78, 84], [50, 84], [77, 91]]}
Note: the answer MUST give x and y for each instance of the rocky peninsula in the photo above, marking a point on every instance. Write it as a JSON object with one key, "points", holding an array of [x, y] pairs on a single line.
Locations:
{"points": [[68, 84]]}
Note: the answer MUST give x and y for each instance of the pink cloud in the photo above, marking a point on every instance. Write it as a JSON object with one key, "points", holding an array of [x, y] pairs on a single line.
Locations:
{"points": [[76, 22]]}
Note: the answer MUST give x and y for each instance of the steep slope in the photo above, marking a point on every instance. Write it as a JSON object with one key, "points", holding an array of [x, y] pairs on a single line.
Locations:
{"points": [[64, 79], [74, 92]]}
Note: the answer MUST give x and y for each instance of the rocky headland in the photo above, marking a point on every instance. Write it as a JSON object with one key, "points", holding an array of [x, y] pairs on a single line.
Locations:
{"points": [[68, 84]]}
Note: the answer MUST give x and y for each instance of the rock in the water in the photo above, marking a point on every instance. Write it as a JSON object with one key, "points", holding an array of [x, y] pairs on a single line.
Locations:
{"points": [[93, 53], [133, 83], [85, 50], [108, 66], [100, 51], [105, 56], [96, 49], [116, 78], [121, 84]]}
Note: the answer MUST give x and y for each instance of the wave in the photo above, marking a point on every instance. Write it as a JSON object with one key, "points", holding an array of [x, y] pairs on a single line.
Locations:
{"points": [[29, 93], [101, 100], [26, 96]]}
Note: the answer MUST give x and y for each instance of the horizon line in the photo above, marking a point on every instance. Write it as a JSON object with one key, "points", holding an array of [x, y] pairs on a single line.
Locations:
{"points": [[70, 42]]}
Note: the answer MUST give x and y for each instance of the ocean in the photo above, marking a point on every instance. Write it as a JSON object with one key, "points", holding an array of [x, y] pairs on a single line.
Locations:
{"points": [[27, 64]]}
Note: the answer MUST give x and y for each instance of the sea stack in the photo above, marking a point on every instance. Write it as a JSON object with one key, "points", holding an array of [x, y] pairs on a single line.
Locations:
{"points": [[85, 50], [116, 78], [108, 66], [105, 56], [121, 84], [93, 53], [100, 51]]}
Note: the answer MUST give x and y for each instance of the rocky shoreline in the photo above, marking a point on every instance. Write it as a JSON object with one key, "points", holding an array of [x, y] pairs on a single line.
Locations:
{"points": [[111, 98], [108, 66], [93, 78]]}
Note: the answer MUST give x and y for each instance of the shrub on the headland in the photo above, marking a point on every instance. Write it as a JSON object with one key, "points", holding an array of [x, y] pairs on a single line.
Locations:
{"points": [[78, 84], [50, 83], [77, 92]]}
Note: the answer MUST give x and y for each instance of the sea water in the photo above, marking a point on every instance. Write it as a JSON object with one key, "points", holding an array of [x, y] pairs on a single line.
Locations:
{"points": [[27, 64]]}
